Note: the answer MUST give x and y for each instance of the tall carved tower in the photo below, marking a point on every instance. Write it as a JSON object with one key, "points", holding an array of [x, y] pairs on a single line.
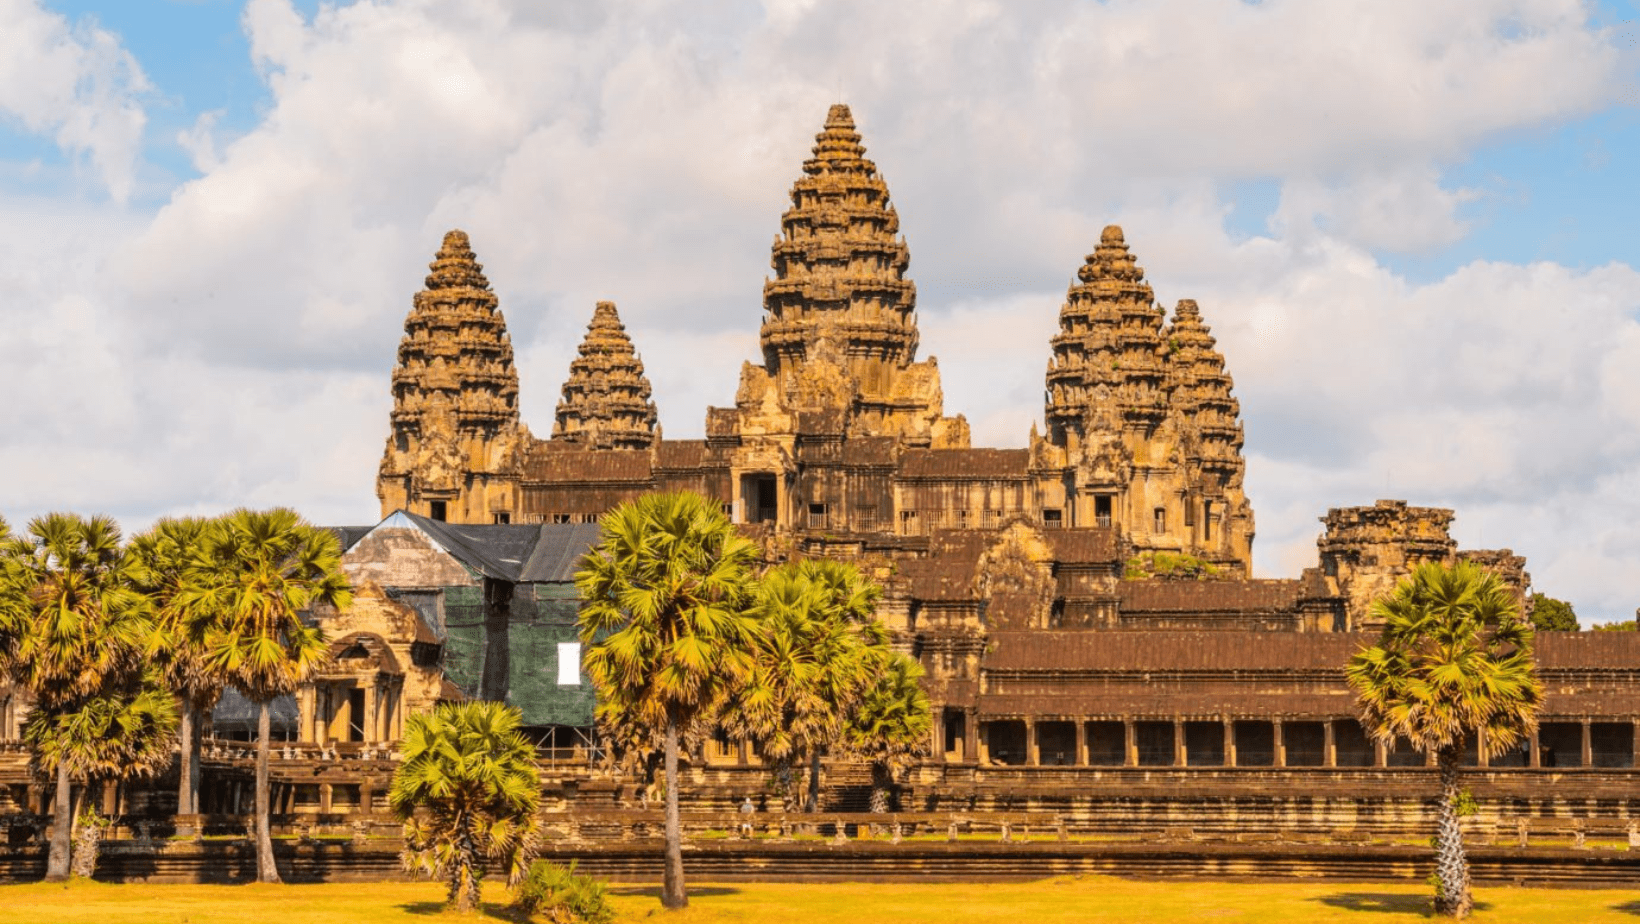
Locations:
{"points": [[606, 403], [455, 444], [1141, 419], [1207, 420], [840, 326]]}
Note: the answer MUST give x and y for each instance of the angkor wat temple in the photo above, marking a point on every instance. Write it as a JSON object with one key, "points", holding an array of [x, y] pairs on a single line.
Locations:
{"points": [[1086, 600], [1094, 640]]}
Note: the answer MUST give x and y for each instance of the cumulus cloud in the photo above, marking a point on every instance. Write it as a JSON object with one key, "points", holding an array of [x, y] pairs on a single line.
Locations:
{"points": [[642, 152], [75, 83]]}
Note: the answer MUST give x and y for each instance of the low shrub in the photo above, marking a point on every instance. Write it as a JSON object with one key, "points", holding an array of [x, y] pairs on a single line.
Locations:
{"points": [[563, 896]]}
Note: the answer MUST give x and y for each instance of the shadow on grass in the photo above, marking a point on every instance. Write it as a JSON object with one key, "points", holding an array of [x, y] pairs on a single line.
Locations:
{"points": [[487, 911], [1628, 908], [655, 891]]}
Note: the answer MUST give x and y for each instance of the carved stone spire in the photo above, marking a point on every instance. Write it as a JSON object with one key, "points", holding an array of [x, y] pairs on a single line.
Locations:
{"points": [[606, 402], [455, 394], [1108, 349], [840, 283], [1199, 393]]}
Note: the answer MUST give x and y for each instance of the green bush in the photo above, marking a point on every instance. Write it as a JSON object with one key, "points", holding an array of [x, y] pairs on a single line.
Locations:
{"points": [[562, 895]]}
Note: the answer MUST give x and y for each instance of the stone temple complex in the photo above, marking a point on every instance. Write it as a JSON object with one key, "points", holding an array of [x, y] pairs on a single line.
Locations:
{"points": [[1086, 600], [1096, 647]]}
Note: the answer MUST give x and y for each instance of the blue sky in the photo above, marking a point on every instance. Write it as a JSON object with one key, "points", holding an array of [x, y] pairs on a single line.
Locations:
{"points": [[1409, 222]]}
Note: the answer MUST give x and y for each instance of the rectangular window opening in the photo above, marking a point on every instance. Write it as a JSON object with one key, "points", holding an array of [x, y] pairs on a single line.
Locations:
{"points": [[435, 511], [569, 664]]}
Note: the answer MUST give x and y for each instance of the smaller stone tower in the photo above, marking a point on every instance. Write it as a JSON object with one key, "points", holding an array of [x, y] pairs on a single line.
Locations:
{"points": [[606, 403], [454, 450], [1207, 420], [1368, 550]]}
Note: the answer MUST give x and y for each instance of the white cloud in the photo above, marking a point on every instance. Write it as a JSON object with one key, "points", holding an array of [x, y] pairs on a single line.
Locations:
{"points": [[643, 152], [75, 83]]}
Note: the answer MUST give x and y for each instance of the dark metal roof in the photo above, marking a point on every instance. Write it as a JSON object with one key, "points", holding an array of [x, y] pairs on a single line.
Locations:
{"points": [[558, 551], [519, 553]]}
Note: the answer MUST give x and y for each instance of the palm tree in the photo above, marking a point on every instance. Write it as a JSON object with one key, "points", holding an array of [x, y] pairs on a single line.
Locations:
{"points": [[664, 615], [72, 630], [1453, 663], [817, 651], [243, 599], [124, 731], [890, 727], [163, 556], [472, 771]]}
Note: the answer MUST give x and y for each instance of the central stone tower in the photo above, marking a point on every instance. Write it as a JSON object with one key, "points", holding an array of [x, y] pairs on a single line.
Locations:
{"points": [[839, 332]]}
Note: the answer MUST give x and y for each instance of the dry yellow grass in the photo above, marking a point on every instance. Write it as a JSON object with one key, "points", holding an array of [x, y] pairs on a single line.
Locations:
{"points": [[1090, 899]]}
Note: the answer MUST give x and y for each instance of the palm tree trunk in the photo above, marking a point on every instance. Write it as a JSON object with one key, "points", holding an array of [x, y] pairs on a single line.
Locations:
{"points": [[185, 759], [464, 872], [196, 770], [1451, 863], [266, 871], [61, 828], [673, 894], [814, 781], [881, 782]]}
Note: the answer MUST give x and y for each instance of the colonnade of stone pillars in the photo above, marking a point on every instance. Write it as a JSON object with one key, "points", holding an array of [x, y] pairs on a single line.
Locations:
{"points": [[1232, 749]]}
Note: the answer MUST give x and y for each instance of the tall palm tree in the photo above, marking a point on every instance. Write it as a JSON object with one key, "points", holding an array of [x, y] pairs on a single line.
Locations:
{"points": [[890, 728], [163, 556], [125, 730], [73, 630], [1453, 664], [816, 652], [472, 771], [243, 600], [665, 593]]}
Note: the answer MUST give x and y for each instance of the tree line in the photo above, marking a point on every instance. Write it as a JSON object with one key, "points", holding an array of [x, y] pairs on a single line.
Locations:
{"points": [[124, 649]]}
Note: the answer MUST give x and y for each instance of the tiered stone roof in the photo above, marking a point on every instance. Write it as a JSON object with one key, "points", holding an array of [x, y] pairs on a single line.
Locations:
{"points": [[456, 359], [1199, 394], [839, 266], [1109, 343], [606, 403]]}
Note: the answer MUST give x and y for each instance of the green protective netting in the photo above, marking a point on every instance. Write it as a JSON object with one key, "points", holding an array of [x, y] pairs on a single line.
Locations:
{"points": [[520, 667], [543, 617]]}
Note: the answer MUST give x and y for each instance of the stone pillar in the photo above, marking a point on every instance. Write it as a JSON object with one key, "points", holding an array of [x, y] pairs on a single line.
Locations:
{"points": [[1481, 760], [970, 735], [1380, 753], [1081, 743], [1280, 744], [1329, 744], [936, 732], [1229, 747], [324, 798], [1180, 758], [1534, 751], [1130, 744], [1033, 750], [1588, 744], [367, 795], [370, 721], [741, 757]]}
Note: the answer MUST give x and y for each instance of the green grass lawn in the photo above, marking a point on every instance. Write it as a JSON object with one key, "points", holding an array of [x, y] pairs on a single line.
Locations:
{"points": [[1055, 900]]}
